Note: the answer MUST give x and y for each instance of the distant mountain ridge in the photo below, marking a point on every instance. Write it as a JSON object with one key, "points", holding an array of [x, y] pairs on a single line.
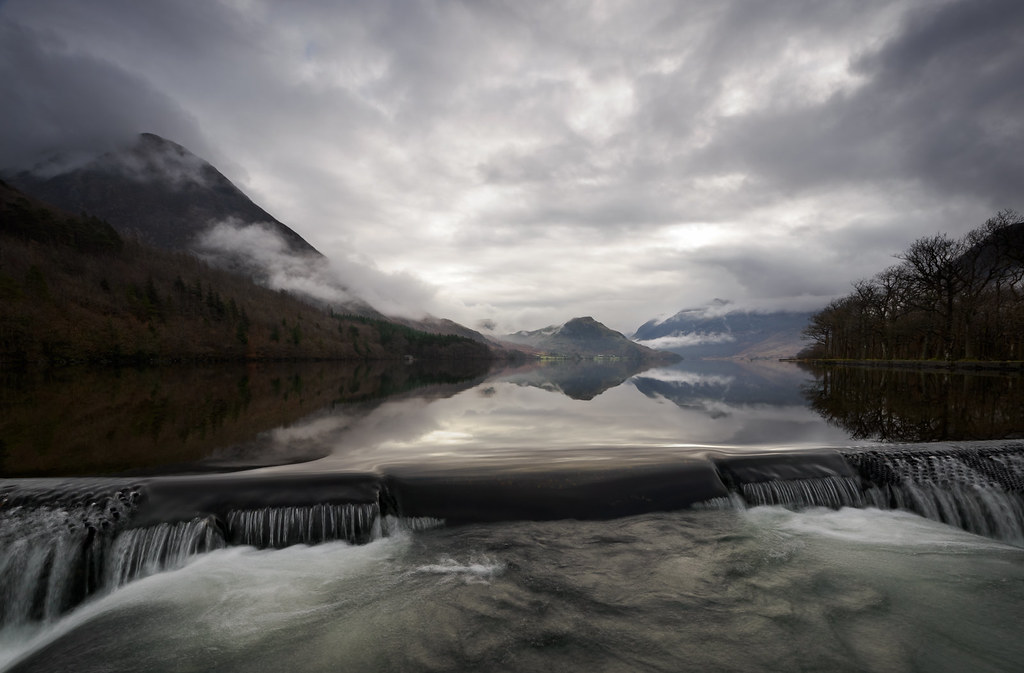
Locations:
{"points": [[585, 338], [154, 189], [718, 331]]}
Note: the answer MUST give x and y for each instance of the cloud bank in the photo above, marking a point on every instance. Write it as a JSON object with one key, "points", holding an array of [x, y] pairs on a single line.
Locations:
{"points": [[343, 283], [537, 162]]}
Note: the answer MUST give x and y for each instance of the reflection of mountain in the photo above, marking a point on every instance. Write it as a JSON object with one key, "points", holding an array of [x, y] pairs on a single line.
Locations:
{"points": [[586, 338], [719, 332], [75, 422], [580, 379], [897, 405], [705, 384]]}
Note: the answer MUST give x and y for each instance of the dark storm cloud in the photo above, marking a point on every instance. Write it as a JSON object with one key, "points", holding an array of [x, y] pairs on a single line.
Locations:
{"points": [[57, 100], [940, 105], [541, 159]]}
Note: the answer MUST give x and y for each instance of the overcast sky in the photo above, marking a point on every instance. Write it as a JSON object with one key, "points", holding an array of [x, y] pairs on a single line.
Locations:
{"points": [[528, 162]]}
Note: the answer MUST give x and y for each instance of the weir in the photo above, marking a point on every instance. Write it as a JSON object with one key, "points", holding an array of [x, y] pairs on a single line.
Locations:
{"points": [[64, 541]]}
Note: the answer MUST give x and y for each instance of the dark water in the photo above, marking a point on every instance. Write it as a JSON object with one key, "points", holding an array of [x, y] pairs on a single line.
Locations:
{"points": [[705, 517]]}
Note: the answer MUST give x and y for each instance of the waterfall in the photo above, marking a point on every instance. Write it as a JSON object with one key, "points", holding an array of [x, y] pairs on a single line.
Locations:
{"points": [[139, 552], [58, 549], [977, 488], [52, 555], [62, 542], [980, 490], [832, 492], [277, 527]]}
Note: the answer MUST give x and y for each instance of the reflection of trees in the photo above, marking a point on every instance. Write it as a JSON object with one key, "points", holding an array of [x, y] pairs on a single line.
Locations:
{"points": [[896, 405], [102, 421]]}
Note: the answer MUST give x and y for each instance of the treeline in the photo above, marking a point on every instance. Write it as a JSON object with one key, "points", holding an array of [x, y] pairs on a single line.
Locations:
{"points": [[72, 290], [948, 299]]}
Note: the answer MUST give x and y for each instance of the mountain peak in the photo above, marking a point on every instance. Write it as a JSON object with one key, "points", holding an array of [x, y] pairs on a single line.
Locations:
{"points": [[585, 337], [157, 190], [711, 332]]}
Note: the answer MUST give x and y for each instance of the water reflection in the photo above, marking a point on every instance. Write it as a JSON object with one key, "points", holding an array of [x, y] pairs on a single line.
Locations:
{"points": [[712, 385], [580, 380], [519, 418], [104, 421], [898, 405], [332, 416]]}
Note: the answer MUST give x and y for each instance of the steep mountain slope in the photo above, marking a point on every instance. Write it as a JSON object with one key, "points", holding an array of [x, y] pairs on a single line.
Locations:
{"points": [[72, 290], [586, 338], [715, 331], [154, 189], [164, 195]]}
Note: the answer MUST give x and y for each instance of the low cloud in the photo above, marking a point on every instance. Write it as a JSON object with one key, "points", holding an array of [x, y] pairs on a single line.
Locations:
{"points": [[541, 162], [690, 339], [57, 99], [258, 249]]}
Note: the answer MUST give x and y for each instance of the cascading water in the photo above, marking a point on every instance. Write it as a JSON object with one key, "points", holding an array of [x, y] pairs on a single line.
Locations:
{"points": [[977, 489], [52, 554], [277, 527], [61, 543], [56, 550], [832, 492], [139, 552]]}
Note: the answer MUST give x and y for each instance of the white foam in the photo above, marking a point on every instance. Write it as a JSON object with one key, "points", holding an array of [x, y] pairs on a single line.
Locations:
{"points": [[238, 592], [475, 570], [889, 528]]}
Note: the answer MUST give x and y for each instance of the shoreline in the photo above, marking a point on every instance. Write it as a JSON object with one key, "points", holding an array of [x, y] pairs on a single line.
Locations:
{"points": [[928, 365]]}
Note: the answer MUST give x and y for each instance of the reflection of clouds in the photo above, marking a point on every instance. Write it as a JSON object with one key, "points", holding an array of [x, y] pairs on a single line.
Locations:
{"points": [[310, 428], [530, 426], [689, 378]]}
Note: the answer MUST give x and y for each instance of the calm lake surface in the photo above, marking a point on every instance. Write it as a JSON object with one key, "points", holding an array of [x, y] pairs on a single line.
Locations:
{"points": [[555, 517]]}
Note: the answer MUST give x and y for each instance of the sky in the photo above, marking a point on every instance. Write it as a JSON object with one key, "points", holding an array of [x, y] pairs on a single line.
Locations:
{"points": [[520, 163]]}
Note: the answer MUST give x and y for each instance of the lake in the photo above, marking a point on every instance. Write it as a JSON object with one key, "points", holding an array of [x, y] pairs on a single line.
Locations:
{"points": [[587, 516]]}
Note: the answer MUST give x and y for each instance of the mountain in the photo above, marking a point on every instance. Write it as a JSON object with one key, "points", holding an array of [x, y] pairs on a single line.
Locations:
{"points": [[718, 331], [154, 189], [166, 196], [585, 338], [73, 290]]}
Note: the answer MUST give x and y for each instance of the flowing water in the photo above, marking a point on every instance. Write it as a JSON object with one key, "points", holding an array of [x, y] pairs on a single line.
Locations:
{"points": [[703, 517]]}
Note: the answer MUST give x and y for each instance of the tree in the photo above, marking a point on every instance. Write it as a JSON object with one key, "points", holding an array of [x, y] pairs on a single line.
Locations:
{"points": [[950, 298]]}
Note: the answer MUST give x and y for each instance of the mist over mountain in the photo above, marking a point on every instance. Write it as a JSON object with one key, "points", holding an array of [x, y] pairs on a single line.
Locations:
{"points": [[721, 330], [159, 192], [585, 338], [154, 189], [72, 290]]}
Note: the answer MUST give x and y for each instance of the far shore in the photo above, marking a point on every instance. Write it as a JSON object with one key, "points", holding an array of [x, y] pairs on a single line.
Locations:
{"points": [[949, 365]]}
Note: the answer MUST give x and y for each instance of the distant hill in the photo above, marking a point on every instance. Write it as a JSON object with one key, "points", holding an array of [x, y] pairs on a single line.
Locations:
{"points": [[585, 338], [73, 290], [154, 189], [716, 331]]}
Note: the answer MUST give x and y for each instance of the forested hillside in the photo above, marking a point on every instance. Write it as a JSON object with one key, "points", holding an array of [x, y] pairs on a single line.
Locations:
{"points": [[73, 290], [948, 299]]}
